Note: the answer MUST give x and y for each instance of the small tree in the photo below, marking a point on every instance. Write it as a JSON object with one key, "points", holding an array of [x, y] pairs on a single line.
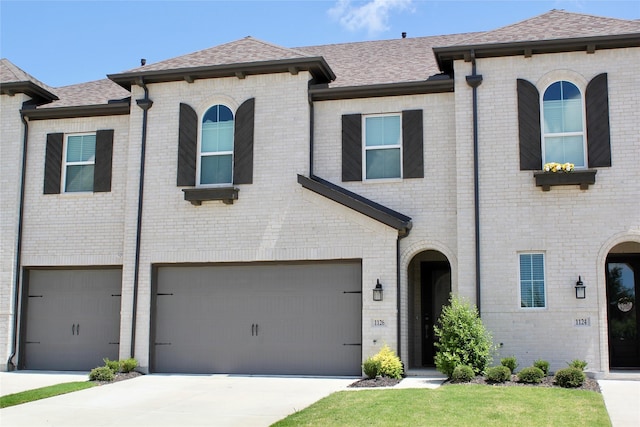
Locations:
{"points": [[461, 338]]}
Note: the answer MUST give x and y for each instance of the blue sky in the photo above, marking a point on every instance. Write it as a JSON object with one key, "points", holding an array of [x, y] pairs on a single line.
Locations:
{"points": [[68, 42]]}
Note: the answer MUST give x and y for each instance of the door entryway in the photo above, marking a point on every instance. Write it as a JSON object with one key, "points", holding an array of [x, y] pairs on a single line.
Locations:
{"points": [[71, 318], [429, 290], [623, 314]]}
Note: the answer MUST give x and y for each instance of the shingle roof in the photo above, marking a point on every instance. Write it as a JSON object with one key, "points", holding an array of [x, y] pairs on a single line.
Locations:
{"points": [[90, 93], [13, 77]]}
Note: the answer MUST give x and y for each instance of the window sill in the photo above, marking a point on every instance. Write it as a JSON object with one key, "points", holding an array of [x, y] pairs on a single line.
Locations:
{"points": [[583, 178], [198, 195]]}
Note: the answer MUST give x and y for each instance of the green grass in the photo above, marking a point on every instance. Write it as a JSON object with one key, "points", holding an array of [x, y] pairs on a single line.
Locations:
{"points": [[456, 405], [43, 393]]}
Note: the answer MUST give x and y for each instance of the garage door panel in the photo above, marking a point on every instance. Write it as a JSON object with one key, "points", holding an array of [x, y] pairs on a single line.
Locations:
{"points": [[261, 318], [72, 318]]}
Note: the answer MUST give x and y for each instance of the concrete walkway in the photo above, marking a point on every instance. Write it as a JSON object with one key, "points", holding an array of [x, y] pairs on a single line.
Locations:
{"points": [[221, 400]]}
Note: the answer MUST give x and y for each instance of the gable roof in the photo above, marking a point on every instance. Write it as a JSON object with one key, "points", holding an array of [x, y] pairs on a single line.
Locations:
{"points": [[238, 58], [15, 80]]}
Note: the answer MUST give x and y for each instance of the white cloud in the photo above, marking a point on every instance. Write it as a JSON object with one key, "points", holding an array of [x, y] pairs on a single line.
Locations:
{"points": [[371, 16]]}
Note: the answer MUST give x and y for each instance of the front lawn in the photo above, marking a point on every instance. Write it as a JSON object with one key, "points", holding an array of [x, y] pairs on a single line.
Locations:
{"points": [[456, 405], [43, 393]]}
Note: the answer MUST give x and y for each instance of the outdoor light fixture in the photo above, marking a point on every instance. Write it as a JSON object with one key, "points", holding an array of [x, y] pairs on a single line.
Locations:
{"points": [[580, 289], [377, 291]]}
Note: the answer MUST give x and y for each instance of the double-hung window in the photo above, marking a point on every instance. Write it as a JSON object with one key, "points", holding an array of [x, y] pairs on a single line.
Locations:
{"points": [[79, 162], [563, 124], [532, 281], [215, 160], [383, 146]]}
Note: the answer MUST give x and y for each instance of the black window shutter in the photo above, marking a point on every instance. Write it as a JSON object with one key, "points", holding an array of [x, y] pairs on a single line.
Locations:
{"points": [[104, 156], [352, 147], [597, 107], [412, 145], [529, 126], [53, 163], [187, 146], [243, 143]]}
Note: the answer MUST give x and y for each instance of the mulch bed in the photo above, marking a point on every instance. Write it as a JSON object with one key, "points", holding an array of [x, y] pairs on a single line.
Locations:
{"points": [[589, 384], [121, 376]]}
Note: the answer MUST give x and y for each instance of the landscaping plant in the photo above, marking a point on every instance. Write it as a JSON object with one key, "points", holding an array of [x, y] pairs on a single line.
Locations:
{"points": [[128, 365], [461, 339], [543, 365], [101, 373], [530, 375], [510, 362], [114, 365], [577, 363], [570, 377], [390, 364], [498, 374], [371, 367], [462, 374]]}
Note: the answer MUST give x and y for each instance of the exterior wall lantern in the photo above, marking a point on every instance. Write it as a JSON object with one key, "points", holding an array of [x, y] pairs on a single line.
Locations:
{"points": [[377, 291], [580, 289]]}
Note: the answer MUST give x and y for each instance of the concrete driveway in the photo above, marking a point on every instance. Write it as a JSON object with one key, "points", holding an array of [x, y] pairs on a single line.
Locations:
{"points": [[175, 400]]}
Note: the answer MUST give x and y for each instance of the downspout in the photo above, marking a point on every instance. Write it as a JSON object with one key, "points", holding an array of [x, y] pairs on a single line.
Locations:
{"points": [[311, 124], [474, 80], [16, 285], [144, 103]]}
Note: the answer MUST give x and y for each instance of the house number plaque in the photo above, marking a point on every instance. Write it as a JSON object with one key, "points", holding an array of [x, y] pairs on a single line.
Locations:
{"points": [[379, 323], [582, 322]]}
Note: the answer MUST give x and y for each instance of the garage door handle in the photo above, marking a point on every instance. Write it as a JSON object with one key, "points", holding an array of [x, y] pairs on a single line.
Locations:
{"points": [[73, 329], [256, 329]]}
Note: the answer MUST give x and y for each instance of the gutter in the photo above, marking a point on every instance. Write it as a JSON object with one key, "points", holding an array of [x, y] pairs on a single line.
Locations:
{"points": [[475, 80], [16, 284], [144, 103]]}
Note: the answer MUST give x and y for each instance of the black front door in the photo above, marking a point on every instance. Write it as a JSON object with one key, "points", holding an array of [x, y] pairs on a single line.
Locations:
{"points": [[623, 286], [435, 290]]}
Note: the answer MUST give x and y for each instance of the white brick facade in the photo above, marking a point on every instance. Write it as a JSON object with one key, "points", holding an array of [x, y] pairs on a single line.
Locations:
{"points": [[276, 219]]}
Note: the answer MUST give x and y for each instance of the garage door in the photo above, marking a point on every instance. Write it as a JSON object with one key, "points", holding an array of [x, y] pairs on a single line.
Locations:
{"points": [[271, 318], [72, 318]]}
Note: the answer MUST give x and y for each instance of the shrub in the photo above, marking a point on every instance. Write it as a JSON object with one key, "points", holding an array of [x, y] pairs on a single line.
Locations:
{"points": [[101, 373], [390, 364], [371, 367], [128, 365], [530, 375], [543, 365], [463, 374], [577, 363], [498, 374], [569, 377], [461, 339], [510, 362], [114, 365]]}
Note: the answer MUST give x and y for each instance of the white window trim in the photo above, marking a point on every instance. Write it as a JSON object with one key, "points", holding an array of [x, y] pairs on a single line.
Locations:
{"points": [[545, 284], [65, 164], [544, 134], [379, 147], [200, 154]]}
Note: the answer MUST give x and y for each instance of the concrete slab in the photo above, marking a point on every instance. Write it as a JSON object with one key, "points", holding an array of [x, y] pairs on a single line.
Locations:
{"points": [[184, 400], [17, 381], [622, 399]]}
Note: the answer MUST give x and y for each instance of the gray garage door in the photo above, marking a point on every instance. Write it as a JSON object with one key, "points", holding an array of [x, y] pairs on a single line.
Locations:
{"points": [[262, 318], [72, 319]]}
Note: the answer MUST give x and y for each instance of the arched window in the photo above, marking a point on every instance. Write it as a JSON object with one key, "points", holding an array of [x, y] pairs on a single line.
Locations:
{"points": [[216, 146], [563, 124]]}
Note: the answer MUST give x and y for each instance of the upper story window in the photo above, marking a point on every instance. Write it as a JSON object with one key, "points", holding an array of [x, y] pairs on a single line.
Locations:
{"points": [[563, 124], [382, 147], [215, 160], [79, 162], [532, 282]]}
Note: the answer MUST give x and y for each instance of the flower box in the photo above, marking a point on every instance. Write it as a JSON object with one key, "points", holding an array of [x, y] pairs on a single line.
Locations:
{"points": [[583, 178]]}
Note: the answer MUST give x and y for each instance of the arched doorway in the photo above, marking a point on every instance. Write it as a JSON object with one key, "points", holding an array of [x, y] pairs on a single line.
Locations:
{"points": [[623, 314], [429, 280]]}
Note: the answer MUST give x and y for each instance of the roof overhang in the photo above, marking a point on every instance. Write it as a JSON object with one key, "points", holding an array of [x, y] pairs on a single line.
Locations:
{"points": [[28, 88], [112, 109], [317, 66], [435, 84], [360, 204], [446, 55]]}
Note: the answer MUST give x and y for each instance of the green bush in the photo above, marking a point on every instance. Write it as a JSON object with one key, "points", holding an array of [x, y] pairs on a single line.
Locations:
{"points": [[128, 365], [510, 362], [114, 365], [461, 339], [569, 377], [463, 374], [498, 374], [101, 373], [390, 364], [530, 375], [577, 363], [543, 365], [371, 367]]}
